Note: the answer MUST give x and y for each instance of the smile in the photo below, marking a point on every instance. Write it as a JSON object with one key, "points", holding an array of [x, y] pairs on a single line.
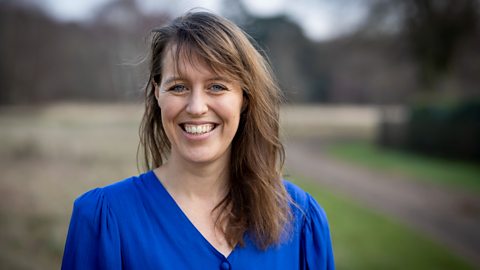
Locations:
{"points": [[197, 129]]}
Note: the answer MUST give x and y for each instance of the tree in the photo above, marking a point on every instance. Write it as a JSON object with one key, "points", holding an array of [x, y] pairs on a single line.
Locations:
{"points": [[434, 31]]}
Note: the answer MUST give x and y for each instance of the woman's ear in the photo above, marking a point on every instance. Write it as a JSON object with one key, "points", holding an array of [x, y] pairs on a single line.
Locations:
{"points": [[244, 102], [156, 89]]}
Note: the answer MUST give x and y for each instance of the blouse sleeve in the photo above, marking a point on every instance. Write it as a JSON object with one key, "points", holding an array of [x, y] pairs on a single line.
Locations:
{"points": [[93, 239], [317, 245]]}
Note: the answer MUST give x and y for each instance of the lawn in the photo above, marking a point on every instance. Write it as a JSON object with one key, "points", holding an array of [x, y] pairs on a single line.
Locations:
{"points": [[363, 239], [448, 172]]}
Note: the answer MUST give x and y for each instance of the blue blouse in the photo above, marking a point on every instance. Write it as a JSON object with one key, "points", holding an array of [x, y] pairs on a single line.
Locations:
{"points": [[136, 224]]}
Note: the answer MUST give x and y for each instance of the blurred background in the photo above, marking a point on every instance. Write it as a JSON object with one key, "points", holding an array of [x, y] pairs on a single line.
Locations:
{"points": [[381, 121]]}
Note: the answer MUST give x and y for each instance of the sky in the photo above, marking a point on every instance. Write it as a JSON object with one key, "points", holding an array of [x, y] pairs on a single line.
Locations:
{"points": [[319, 19]]}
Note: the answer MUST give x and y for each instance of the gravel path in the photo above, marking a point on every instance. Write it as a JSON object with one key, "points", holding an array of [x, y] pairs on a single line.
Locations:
{"points": [[450, 216]]}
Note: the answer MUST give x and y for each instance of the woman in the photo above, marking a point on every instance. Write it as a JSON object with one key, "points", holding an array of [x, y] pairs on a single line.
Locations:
{"points": [[212, 196]]}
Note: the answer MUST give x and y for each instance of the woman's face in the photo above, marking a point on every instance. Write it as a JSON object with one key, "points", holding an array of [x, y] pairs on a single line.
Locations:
{"points": [[200, 109]]}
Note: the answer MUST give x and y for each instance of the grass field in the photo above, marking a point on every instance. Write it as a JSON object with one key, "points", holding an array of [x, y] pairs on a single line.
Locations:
{"points": [[441, 171], [363, 239], [51, 155], [48, 157]]}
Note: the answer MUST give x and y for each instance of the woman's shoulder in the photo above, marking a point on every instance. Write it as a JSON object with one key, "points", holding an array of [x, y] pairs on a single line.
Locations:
{"points": [[315, 230], [304, 203], [117, 192], [297, 194]]}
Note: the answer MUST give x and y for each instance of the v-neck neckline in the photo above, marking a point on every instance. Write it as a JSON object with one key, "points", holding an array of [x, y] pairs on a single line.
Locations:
{"points": [[181, 213]]}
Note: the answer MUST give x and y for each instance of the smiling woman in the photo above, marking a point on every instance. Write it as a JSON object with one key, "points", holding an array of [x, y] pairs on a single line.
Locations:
{"points": [[212, 196], [201, 110]]}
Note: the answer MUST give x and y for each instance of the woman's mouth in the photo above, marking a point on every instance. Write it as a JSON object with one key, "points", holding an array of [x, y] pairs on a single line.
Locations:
{"points": [[197, 129]]}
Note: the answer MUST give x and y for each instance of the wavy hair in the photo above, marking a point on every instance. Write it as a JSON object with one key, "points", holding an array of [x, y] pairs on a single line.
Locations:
{"points": [[256, 202]]}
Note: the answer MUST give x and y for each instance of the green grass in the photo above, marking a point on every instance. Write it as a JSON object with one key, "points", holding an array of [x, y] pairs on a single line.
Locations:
{"points": [[454, 173], [363, 239]]}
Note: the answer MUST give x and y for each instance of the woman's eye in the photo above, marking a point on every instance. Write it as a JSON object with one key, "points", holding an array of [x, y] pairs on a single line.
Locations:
{"points": [[217, 88], [178, 88]]}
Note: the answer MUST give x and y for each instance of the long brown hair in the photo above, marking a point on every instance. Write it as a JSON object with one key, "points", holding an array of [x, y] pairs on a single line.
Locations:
{"points": [[257, 202]]}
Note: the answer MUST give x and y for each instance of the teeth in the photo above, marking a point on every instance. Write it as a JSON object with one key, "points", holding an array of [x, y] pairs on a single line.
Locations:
{"points": [[198, 129]]}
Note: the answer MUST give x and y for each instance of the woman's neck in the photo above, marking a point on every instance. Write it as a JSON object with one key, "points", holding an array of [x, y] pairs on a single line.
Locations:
{"points": [[195, 181]]}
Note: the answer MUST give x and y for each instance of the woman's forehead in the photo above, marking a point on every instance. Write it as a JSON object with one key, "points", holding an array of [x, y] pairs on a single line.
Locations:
{"points": [[180, 62]]}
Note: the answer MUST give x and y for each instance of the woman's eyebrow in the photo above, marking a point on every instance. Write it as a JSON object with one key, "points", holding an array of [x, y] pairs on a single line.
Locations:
{"points": [[216, 78], [172, 79], [219, 78]]}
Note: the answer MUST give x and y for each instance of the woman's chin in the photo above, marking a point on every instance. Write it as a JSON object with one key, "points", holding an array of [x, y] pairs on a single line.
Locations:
{"points": [[203, 154]]}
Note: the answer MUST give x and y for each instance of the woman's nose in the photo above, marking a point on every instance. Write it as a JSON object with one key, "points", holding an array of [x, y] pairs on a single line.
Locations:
{"points": [[197, 102]]}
